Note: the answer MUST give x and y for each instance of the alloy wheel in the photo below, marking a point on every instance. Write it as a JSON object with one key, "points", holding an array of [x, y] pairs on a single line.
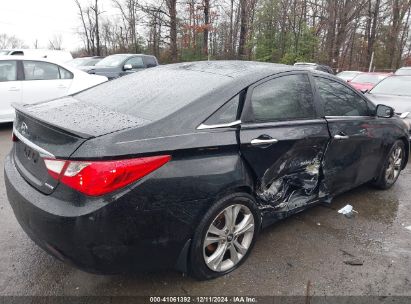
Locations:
{"points": [[228, 238], [394, 165]]}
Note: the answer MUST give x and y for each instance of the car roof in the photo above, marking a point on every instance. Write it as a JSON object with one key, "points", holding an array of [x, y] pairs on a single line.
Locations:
{"points": [[235, 68], [405, 68], [28, 57]]}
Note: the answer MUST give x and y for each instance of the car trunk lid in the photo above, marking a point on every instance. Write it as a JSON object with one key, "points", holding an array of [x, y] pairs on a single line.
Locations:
{"points": [[45, 131]]}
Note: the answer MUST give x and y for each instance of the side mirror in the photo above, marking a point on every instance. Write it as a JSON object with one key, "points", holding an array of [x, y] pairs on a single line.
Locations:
{"points": [[127, 67], [384, 111]]}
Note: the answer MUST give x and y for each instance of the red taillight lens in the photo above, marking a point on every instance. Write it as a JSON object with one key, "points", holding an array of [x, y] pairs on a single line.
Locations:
{"points": [[96, 178]]}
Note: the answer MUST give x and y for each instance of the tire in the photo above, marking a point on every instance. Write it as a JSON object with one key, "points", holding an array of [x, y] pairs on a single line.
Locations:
{"points": [[226, 242], [392, 167]]}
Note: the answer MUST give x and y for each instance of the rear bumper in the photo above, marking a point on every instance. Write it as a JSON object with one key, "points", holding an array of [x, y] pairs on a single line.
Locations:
{"points": [[111, 237]]}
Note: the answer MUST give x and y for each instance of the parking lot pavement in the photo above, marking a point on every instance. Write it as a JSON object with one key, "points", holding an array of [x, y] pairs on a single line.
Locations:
{"points": [[312, 248]]}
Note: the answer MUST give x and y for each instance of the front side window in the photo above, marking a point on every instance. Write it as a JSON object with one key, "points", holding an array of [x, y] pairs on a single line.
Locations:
{"points": [[39, 70], [136, 62], [339, 100], [8, 70], [283, 98]]}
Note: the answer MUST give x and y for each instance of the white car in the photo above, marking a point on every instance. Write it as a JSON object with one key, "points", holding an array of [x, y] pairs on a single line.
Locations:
{"points": [[30, 80]]}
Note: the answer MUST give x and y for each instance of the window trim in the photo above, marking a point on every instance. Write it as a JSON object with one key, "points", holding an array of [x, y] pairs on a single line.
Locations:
{"points": [[247, 115], [343, 83]]}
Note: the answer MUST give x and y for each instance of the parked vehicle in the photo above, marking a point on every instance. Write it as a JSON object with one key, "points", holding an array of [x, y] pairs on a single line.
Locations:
{"points": [[314, 66], [404, 71], [196, 159], [29, 80], [85, 63], [118, 65], [54, 55], [366, 81], [394, 91], [348, 75]]}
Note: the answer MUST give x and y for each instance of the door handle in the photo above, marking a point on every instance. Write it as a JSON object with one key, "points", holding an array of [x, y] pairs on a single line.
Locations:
{"points": [[14, 89], [61, 86], [341, 137], [257, 141]]}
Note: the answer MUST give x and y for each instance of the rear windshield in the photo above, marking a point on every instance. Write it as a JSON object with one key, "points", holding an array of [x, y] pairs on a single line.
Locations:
{"points": [[403, 71], [400, 86], [153, 93], [368, 78]]}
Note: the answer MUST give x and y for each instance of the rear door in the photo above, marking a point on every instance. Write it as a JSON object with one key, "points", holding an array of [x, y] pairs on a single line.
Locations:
{"points": [[355, 149], [283, 140], [10, 88], [44, 81]]}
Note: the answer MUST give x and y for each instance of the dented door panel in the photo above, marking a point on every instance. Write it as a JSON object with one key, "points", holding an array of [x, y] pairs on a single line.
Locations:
{"points": [[288, 172], [351, 160]]}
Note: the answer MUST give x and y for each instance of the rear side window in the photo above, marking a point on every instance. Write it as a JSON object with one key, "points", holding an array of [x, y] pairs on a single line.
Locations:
{"points": [[38, 70], [283, 98], [226, 114], [8, 70], [338, 100], [150, 61], [64, 74]]}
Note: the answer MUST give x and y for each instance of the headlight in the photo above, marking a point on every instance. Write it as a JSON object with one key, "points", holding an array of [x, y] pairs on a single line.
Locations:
{"points": [[404, 115]]}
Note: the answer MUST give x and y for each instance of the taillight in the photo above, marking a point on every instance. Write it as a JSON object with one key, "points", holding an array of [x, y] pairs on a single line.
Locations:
{"points": [[96, 178]]}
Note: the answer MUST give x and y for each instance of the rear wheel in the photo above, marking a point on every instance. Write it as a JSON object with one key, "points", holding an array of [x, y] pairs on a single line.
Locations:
{"points": [[392, 166], [225, 236]]}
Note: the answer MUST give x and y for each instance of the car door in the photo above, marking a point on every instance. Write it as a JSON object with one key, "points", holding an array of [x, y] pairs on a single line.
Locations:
{"points": [[10, 88], [44, 81], [355, 149], [283, 139]]}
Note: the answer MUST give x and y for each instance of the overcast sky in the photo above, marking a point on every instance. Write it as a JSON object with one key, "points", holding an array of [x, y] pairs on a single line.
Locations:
{"points": [[41, 19]]}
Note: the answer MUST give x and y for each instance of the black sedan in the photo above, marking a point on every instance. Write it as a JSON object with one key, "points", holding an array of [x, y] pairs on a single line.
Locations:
{"points": [[180, 166], [119, 65]]}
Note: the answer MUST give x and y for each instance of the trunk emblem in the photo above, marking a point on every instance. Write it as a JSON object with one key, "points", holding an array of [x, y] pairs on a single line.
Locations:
{"points": [[23, 128]]}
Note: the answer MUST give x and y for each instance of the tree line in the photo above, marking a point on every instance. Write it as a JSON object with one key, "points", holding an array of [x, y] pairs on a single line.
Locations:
{"points": [[344, 34]]}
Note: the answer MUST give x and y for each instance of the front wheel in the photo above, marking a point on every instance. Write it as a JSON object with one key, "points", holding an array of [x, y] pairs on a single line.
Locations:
{"points": [[392, 166], [225, 236]]}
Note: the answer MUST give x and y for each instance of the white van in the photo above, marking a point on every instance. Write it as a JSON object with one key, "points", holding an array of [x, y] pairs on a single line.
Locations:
{"points": [[55, 55]]}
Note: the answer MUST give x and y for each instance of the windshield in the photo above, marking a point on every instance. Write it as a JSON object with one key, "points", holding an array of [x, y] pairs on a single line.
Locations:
{"points": [[403, 71], [400, 86], [368, 78], [112, 61], [4, 52], [83, 62], [154, 93]]}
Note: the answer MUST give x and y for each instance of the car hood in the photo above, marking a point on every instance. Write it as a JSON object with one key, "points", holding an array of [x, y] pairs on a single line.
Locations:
{"points": [[400, 104], [80, 118]]}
